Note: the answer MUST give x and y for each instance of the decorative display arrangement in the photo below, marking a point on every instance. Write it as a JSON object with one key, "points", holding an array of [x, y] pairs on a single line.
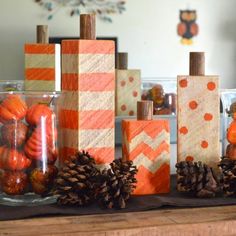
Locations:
{"points": [[87, 115], [128, 87], [28, 146], [146, 142], [104, 9], [163, 103], [198, 115], [187, 28], [42, 63], [80, 183]]}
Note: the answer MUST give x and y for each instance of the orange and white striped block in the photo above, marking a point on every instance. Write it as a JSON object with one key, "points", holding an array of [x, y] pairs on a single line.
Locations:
{"points": [[128, 91], [147, 144], [42, 67], [87, 114], [198, 119]]}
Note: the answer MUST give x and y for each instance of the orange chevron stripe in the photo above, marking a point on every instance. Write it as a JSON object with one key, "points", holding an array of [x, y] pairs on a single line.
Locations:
{"points": [[149, 183], [88, 46], [40, 74], [101, 155], [152, 128], [94, 82], [148, 151], [85, 119], [104, 119], [39, 48]]}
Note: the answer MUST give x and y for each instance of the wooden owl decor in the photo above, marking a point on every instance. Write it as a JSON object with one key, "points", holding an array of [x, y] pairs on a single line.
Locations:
{"points": [[187, 28]]}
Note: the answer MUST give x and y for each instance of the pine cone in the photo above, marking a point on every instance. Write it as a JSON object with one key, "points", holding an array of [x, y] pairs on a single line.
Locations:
{"points": [[116, 184], [228, 168], [197, 178], [76, 182]]}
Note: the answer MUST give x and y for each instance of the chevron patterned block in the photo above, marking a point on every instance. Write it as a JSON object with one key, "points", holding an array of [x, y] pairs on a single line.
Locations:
{"points": [[43, 67], [147, 144], [128, 91], [199, 119], [87, 114]]}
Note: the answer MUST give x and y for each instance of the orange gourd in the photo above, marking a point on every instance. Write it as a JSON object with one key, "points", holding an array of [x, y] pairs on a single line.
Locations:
{"points": [[12, 108], [11, 159], [39, 113]]}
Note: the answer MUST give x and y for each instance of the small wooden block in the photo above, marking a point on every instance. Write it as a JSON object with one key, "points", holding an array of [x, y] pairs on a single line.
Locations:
{"points": [[42, 67], [199, 119], [87, 114], [147, 144], [128, 92]]}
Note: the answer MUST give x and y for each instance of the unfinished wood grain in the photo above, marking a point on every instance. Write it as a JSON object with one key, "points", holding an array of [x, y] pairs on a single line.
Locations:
{"points": [[199, 221], [88, 26], [42, 34], [122, 61]]}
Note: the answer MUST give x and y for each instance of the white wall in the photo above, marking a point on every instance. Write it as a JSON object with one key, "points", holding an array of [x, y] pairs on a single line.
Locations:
{"points": [[147, 30]]}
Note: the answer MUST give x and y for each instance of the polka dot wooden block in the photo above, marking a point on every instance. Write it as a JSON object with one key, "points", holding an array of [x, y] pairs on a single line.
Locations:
{"points": [[87, 114], [147, 144], [199, 119], [128, 91], [42, 67]]}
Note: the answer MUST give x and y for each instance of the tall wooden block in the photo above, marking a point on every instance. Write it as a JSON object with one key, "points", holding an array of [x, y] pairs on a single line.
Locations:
{"points": [[128, 87], [198, 116], [147, 144], [87, 115], [42, 66]]}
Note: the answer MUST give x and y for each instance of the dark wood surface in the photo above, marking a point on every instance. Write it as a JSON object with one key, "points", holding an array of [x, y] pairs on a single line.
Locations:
{"points": [[88, 26], [197, 64]]}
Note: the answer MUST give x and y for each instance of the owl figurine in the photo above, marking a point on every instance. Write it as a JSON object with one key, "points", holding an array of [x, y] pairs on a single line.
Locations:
{"points": [[187, 28]]}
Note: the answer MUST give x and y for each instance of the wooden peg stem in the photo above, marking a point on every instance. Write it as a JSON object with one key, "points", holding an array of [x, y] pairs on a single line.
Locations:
{"points": [[144, 110], [197, 64], [122, 61], [42, 34], [88, 26]]}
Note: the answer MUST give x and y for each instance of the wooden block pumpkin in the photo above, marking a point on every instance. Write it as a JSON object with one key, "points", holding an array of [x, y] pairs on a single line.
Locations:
{"points": [[42, 64], [198, 114], [128, 87], [147, 143], [88, 81]]}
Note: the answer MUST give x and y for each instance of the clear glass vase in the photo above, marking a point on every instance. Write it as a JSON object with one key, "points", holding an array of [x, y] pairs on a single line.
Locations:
{"points": [[28, 147]]}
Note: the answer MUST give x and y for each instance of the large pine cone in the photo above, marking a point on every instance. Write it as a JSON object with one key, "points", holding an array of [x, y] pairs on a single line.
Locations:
{"points": [[116, 184], [76, 182], [197, 178], [228, 168]]}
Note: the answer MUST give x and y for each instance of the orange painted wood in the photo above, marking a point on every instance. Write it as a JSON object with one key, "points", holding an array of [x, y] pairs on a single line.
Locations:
{"points": [[147, 144], [40, 73], [39, 48]]}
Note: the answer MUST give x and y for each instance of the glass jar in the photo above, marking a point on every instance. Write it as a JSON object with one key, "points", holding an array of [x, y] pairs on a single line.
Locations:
{"points": [[228, 98], [11, 85], [28, 147], [162, 91]]}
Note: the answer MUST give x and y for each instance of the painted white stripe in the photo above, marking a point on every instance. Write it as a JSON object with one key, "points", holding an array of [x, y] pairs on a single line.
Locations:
{"points": [[84, 139], [58, 67], [152, 166]]}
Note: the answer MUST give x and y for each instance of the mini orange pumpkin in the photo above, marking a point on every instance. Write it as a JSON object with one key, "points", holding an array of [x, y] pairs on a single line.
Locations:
{"points": [[231, 133], [231, 151], [39, 113], [11, 159], [12, 108]]}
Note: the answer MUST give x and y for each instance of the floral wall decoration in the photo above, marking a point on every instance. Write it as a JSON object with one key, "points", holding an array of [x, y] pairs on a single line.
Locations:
{"points": [[103, 8]]}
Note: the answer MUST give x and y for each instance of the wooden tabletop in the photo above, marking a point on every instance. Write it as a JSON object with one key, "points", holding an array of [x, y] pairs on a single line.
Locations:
{"points": [[198, 221]]}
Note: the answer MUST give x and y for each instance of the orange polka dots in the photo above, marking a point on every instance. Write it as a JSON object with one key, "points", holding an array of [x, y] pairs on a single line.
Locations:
{"points": [[123, 107], [135, 93], [193, 105], [211, 86], [183, 130], [183, 83], [131, 113], [131, 79], [122, 83], [189, 158], [204, 144], [208, 117]]}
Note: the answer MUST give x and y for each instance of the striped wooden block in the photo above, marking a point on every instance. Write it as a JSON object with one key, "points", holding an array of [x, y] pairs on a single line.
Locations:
{"points": [[87, 114], [42, 67], [147, 144], [199, 119], [128, 91]]}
